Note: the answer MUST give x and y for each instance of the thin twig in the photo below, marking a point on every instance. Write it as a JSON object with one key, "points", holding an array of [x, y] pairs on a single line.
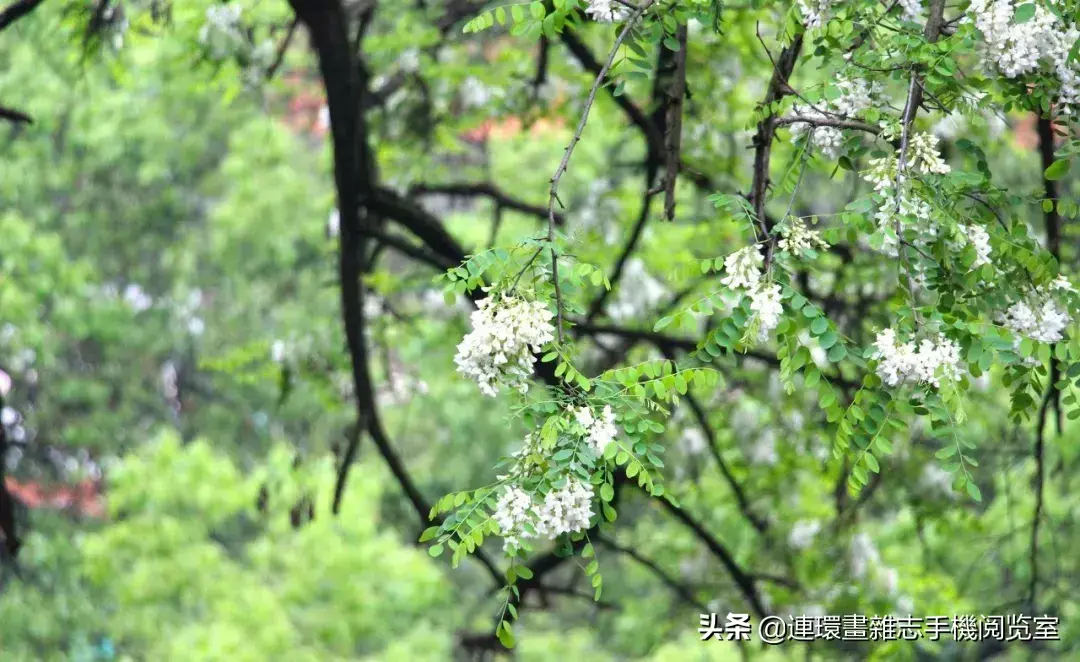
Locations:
{"points": [[280, 57], [553, 194]]}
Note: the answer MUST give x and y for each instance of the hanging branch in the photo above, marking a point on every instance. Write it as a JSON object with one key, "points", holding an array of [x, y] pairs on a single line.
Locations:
{"points": [[673, 137], [911, 108], [1052, 397], [553, 193]]}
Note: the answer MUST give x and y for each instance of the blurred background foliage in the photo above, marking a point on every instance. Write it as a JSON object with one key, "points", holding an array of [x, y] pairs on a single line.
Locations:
{"points": [[169, 317]]}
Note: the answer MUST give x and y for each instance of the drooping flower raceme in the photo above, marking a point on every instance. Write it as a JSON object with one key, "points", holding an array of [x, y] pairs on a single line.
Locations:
{"points": [[513, 510], [925, 364], [743, 268], [912, 9], [797, 239], [499, 349], [980, 240], [605, 11], [599, 431], [565, 510], [925, 155], [1016, 48], [765, 302], [888, 218], [1040, 316], [814, 12]]}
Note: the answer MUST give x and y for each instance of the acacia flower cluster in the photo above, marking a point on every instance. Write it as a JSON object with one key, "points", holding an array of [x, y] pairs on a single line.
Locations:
{"points": [[566, 509], [1040, 316], [926, 363], [563, 510], [925, 155], [499, 350], [513, 510], [743, 268], [912, 212], [911, 10], [980, 240], [605, 11], [814, 12], [221, 32], [765, 302], [797, 239], [856, 96], [599, 432], [881, 173], [1016, 48]]}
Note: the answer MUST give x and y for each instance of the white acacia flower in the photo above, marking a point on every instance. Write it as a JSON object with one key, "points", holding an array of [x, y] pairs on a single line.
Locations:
{"points": [[856, 95], [803, 533], [600, 431], [499, 349], [926, 363], [814, 12], [1018, 48], [798, 239], [1040, 315], [606, 11], [513, 510], [765, 301], [911, 10], [925, 155], [566, 509], [5, 384], [881, 173], [980, 240], [743, 268]]}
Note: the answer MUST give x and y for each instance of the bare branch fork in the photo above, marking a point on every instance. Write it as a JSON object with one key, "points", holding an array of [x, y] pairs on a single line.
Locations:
{"points": [[553, 192]]}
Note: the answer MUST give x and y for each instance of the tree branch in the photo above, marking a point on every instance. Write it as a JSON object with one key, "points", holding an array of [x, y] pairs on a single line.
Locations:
{"points": [[17, 10], [740, 497], [743, 580], [15, 116], [676, 586], [488, 190]]}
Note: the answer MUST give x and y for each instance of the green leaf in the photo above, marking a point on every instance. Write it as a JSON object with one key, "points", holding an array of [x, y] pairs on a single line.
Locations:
{"points": [[429, 533], [872, 462], [506, 637], [1024, 13], [1057, 169], [973, 490], [435, 550], [607, 492]]}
